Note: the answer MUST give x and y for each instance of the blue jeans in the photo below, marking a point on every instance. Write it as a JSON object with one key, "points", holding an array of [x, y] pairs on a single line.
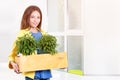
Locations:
{"points": [[27, 78]]}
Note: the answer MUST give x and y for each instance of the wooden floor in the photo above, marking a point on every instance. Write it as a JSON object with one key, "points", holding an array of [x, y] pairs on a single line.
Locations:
{"points": [[7, 74]]}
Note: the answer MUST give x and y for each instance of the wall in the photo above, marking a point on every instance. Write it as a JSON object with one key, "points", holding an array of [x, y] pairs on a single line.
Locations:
{"points": [[101, 20], [55, 15]]}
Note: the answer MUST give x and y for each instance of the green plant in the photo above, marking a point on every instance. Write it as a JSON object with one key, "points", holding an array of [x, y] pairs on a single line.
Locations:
{"points": [[48, 44], [26, 44]]}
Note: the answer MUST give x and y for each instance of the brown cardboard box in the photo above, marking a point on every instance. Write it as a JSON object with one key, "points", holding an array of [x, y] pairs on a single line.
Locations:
{"points": [[42, 62]]}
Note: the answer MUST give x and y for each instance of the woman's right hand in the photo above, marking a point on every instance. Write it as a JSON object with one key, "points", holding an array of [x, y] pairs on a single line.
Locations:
{"points": [[15, 67]]}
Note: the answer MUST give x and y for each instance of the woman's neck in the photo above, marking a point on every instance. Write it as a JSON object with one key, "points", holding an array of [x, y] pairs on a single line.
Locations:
{"points": [[34, 30]]}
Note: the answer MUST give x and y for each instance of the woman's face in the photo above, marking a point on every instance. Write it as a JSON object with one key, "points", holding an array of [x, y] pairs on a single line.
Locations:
{"points": [[34, 19]]}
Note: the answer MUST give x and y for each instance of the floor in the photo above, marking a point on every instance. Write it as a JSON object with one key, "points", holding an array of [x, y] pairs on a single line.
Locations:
{"points": [[7, 74]]}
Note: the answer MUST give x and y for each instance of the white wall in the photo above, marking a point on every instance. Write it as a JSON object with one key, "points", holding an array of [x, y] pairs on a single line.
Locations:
{"points": [[55, 15], [102, 37], [10, 18]]}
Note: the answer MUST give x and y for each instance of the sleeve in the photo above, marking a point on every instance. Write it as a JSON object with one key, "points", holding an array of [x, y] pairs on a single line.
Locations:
{"points": [[13, 52], [43, 32]]}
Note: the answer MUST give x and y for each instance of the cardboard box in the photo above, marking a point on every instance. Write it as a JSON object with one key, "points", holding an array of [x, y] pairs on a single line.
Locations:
{"points": [[42, 62]]}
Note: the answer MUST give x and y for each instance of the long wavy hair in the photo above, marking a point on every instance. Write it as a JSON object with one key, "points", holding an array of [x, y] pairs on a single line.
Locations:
{"points": [[26, 17]]}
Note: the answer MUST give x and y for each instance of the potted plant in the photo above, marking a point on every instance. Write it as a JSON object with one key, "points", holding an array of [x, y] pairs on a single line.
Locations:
{"points": [[26, 45], [48, 44], [47, 59]]}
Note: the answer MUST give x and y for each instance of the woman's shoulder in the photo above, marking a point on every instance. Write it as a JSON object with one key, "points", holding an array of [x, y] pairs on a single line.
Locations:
{"points": [[43, 32], [22, 32]]}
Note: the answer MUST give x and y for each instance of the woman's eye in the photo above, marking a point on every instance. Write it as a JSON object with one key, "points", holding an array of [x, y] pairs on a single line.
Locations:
{"points": [[38, 17], [32, 17]]}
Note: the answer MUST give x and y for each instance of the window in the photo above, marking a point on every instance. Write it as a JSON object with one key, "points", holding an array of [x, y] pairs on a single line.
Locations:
{"points": [[64, 21]]}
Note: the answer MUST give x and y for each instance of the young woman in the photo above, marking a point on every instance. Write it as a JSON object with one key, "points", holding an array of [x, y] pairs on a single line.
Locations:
{"points": [[31, 24]]}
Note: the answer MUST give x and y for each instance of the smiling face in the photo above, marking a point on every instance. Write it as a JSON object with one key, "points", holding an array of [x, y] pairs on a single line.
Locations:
{"points": [[34, 19]]}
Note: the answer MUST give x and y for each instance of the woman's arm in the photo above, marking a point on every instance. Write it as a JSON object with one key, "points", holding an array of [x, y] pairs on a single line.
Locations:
{"points": [[13, 54]]}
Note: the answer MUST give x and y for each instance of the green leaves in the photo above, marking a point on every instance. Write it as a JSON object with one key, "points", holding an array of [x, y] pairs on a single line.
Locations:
{"points": [[26, 44], [48, 43]]}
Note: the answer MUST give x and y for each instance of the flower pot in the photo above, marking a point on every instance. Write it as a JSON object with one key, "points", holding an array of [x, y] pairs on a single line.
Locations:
{"points": [[41, 62]]}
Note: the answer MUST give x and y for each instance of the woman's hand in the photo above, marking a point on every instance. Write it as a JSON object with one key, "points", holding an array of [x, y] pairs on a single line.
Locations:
{"points": [[15, 67], [65, 69]]}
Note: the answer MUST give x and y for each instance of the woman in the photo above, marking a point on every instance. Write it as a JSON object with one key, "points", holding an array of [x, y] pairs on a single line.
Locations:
{"points": [[31, 24]]}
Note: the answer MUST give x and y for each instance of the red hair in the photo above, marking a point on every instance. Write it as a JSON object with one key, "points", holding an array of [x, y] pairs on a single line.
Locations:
{"points": [[26, 17]]}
